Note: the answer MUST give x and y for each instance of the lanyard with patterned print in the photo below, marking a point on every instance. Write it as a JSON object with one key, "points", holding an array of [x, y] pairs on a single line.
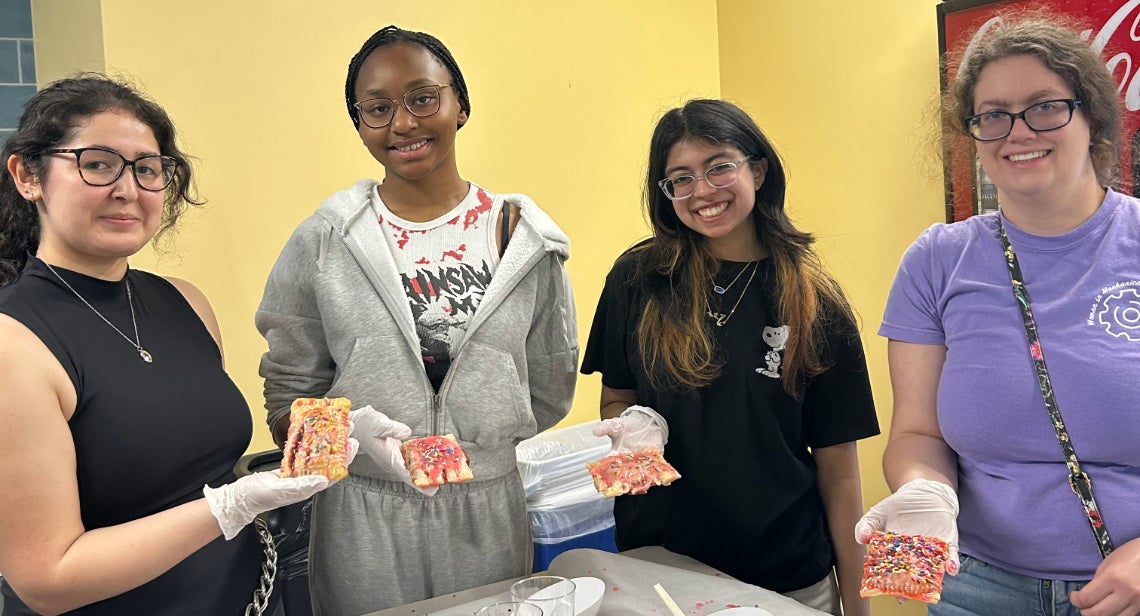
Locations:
{"points": [[1078, 480]]}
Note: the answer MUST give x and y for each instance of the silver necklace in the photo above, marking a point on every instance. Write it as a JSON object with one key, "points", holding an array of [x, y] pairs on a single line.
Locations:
{"points": [[719, 290], [721, 318], [143, 353]]}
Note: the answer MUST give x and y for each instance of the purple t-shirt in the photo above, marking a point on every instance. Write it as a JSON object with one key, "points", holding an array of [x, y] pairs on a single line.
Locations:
{"points": [[953, 288]]}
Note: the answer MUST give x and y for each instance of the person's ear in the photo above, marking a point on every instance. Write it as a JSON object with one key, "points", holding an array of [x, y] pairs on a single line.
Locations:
{"points": [[27, 183], [759, 172], [462, 118]]}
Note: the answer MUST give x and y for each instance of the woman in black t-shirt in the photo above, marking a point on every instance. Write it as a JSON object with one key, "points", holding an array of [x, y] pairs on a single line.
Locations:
{"points": [[727, 327]]}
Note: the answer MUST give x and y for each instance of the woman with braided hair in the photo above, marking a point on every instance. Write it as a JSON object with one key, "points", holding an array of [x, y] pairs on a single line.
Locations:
{"points": [[437, 307]]}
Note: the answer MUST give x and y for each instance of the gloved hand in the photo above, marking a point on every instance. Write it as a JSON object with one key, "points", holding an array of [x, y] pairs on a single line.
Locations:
{"points": [[636, 428], [380, 437], [918, 507], [236, 504]]}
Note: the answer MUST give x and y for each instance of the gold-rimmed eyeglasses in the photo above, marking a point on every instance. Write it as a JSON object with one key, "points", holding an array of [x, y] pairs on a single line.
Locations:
{"points": [[420, 102]]}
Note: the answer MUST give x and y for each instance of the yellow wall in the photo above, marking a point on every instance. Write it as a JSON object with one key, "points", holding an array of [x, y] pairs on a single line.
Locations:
{"points": [[846, 90], [68, 37]]}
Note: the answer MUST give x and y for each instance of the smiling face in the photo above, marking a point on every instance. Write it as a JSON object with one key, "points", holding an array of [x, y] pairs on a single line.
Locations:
{"points": [[413, 150], [1033, 169], [93, 229], [722, 215]]}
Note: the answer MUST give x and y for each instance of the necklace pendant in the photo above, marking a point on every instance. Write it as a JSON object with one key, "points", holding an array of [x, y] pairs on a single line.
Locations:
{"points": [[146, 356], [719, 290], [719, 318]]}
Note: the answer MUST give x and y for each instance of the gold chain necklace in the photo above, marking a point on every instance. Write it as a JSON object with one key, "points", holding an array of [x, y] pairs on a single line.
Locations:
{"points": [[143, 353], [719, 317]]}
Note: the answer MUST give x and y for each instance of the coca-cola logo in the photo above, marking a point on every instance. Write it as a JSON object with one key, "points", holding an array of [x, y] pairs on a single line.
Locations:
{"points": [[1128, 77]]}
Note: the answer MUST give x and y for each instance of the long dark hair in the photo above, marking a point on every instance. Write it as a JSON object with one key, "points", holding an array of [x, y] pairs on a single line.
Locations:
{"points": [[393, 35], [675, 266], [50, 118]]}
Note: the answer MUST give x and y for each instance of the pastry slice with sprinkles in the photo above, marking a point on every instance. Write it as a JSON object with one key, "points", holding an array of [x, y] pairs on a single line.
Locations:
{"points": [[907, 566], [318, 438], [436, 460], [632, 472]]}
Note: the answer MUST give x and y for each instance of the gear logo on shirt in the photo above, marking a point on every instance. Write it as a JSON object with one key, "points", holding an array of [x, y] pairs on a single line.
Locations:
{"points": [[1117, 310]]}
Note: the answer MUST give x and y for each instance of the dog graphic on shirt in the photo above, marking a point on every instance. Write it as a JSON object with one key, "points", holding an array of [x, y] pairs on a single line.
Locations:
{"points": [[777, 338]]}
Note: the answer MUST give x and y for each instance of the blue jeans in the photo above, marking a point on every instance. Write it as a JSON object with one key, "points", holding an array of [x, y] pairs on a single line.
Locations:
{"points": [[985, 589]]}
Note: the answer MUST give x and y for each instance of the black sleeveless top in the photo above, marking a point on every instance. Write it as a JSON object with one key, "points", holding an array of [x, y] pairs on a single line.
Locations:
{"points": [[147, 435]]}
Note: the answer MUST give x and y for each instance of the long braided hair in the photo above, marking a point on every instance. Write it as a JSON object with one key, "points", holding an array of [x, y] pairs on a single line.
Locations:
{"points": [[393, 35], [674, 266]]}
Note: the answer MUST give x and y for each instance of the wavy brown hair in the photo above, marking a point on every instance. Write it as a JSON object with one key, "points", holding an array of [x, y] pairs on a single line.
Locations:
{"points": [[1054, 40], [51, 117], [675, 265]]}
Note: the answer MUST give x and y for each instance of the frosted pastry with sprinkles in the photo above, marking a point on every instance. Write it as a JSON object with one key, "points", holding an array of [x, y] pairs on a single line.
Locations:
{"points": [[632, 472], [436, 460], [318, 438], [907, 566]]}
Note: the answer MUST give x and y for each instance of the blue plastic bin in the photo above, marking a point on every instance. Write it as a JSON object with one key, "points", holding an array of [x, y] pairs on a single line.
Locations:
{"points": [[564, 509], [599, 540]]}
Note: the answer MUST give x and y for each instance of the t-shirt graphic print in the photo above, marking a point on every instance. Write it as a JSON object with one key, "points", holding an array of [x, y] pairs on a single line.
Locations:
{"points": [[445, 265]]}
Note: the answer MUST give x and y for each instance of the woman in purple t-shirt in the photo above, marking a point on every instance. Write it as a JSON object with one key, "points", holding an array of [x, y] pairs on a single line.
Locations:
{"points": [[979, 422]]}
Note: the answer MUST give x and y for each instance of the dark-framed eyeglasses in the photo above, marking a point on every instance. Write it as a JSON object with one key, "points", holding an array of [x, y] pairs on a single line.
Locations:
{"points": [[1041, 117], [720, 175], [100, 166], [420, 102]]}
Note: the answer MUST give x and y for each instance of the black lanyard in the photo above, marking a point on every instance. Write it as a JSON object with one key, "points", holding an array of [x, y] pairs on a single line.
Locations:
{"points": [[1078, 480]]}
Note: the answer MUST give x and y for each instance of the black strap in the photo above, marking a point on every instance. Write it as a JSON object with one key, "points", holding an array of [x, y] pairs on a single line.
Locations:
{"points": [[1078, 480], [506, 233]]}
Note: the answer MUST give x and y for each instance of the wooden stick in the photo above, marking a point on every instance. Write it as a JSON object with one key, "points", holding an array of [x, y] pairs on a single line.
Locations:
{"points": [[669, 602]]}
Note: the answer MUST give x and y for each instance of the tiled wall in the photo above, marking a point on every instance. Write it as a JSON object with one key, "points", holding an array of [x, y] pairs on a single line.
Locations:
{"points": [[17, 62]]}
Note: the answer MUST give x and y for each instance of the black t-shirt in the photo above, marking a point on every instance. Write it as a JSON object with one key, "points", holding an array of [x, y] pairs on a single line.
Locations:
{"points": [[748, 502], [147, 436]]}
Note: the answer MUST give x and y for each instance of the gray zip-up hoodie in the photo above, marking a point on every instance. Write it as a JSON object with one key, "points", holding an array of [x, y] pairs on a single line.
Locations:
{"points": [[338, 324]]}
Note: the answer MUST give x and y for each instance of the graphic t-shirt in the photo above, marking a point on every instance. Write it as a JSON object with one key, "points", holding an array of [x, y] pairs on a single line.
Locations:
{"points": [[445, 265], [748, 501]]}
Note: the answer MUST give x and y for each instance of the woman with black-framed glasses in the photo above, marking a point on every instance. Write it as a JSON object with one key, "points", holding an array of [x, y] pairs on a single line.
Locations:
{"points": [[121, 427], [1014, 343], [438, 307], [724, 341]]}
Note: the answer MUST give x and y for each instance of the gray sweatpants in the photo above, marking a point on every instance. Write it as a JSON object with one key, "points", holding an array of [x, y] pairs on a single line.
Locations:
{"points": [[378, 544]]}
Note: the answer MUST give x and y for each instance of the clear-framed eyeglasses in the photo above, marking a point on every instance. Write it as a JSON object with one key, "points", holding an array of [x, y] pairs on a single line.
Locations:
{"points": [[1041, 117], [102, 167], [720, 175], [420, 102]]}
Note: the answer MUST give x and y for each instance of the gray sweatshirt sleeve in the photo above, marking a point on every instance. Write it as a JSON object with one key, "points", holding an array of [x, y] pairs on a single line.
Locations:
{"points": [[552, 346], [298, 363]]}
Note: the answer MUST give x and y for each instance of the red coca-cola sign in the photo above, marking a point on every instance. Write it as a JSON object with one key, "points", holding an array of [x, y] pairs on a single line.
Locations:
{"points": [[1112, 28]]}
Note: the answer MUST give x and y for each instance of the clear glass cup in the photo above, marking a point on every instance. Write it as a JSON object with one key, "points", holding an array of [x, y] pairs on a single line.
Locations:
{"points": [[552, 593], [510, 608]]}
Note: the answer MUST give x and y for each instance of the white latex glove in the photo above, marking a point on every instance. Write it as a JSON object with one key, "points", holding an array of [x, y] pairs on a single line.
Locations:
{"points": [[380, 437], [636, 428], [918, 507], [236, 504]]}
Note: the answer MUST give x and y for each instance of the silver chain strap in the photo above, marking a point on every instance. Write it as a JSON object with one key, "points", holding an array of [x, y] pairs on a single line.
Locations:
{"points": [[260, 601]]}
